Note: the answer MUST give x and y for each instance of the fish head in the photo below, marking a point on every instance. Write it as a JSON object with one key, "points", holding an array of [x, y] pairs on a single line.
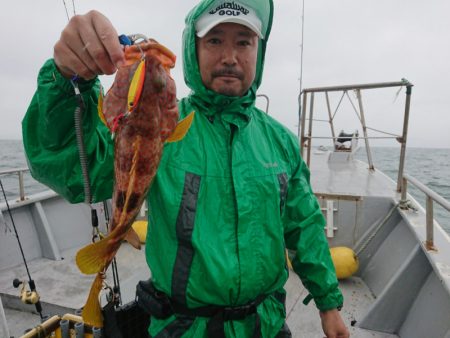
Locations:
{"points": [[156, 88], [150, 49], [158, 62]]}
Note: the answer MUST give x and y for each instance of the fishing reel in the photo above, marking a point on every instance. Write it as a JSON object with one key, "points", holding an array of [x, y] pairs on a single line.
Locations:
{"points": [[26, 296]]}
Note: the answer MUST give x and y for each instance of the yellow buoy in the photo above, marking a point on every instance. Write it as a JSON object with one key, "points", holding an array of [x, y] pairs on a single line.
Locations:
{"points": [[345, 261], [141, 229]]}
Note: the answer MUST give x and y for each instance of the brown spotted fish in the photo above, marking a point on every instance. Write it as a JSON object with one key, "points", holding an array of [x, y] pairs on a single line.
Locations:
{"points": [[141, 111]]}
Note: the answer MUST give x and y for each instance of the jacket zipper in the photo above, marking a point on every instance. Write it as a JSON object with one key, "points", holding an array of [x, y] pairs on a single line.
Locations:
{"points": [[233, 129]]}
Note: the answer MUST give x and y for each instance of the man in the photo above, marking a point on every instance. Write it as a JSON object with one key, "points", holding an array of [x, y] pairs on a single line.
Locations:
{"points": [[226, 200]]}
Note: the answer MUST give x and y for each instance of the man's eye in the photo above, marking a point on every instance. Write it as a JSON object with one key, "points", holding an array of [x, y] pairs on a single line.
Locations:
{"points": [[214, 41], [244, 43]]}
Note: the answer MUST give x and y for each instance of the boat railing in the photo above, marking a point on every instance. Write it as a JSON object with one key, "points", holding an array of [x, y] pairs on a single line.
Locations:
{"points": [[431, 197], [305, 131], [264, 96], [20, 172]]}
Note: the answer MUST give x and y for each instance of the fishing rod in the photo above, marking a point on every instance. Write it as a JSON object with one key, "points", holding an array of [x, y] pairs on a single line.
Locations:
{"points": [[67, 11], [27, 297]]}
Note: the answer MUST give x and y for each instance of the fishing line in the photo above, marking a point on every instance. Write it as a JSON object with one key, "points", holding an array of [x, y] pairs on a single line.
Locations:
{"points": [[15, 229], [30, 280], [115, 271], [116, 282], [73, 5], [67, 12]]}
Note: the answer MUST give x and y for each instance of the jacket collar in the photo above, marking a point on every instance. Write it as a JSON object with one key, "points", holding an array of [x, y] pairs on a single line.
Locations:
{"points": [[236, 110]]}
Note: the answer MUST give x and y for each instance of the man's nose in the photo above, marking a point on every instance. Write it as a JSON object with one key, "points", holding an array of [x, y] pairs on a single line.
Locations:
{"points": [[229, 56]]}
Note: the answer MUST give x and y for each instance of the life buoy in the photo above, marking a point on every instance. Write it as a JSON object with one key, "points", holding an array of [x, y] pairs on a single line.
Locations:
{"points": [[345, 261]]}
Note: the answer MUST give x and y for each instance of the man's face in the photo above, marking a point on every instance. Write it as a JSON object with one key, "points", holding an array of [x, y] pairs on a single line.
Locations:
{"points": [[227, 58]]}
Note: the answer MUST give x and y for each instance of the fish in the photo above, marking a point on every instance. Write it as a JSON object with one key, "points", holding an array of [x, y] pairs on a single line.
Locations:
{"points": [[141, 111]]}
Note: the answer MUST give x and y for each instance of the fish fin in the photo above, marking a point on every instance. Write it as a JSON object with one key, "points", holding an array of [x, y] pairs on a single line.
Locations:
{"points": [[92, 311], [133, 238], [92, 258], [288, 261], [141, 230], [182, 128], [100, 107]]}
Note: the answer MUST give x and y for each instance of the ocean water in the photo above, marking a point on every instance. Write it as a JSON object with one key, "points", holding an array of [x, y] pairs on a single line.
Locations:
{"points": [[430, 166], [12, 156]]}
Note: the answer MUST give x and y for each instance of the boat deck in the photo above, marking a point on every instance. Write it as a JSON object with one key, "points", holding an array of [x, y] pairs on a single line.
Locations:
{"points": [[67, 289], [304, 320], [62, 287], [334, 174], [396, 286]]}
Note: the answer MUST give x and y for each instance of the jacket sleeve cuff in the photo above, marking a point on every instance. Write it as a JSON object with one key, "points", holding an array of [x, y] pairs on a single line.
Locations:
{"points": [[333, 300]]}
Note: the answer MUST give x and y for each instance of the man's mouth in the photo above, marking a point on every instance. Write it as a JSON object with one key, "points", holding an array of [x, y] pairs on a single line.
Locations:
{"points": [[228, 74]]}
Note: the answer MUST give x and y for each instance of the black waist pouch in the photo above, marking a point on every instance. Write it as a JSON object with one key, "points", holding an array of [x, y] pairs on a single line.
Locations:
{"points": [[152, 301], [125, 321]]}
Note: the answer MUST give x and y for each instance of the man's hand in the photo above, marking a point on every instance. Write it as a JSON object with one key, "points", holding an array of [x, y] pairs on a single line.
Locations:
{"points": [[88, 46], [332, 324]]}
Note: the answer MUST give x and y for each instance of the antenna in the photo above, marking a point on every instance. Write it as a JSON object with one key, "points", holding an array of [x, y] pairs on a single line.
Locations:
{"points": [[301, 45], [301, 68]]}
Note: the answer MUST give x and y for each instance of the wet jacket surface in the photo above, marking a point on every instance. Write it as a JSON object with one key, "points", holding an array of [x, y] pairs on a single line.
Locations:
{"points": [[225, 202]]}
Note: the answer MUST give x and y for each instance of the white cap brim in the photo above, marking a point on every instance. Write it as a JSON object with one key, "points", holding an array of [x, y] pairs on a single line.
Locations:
{"points": [[245, 23], [209, 20]]}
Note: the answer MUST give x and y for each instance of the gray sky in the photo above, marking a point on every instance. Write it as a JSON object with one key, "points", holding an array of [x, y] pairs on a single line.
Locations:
{"points": [[346, 42]]}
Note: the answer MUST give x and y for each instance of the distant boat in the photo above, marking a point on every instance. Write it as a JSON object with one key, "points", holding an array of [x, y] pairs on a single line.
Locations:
{"points": [[321, 150]]}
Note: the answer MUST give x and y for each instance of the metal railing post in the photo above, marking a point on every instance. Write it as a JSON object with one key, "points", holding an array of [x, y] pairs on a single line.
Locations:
{"points": [[311, 109], [302, 124], [363, 122], [331, 119], [21, 186], [431, 197], [404, 136], [430, 222], [20, 174], [403, 201]]}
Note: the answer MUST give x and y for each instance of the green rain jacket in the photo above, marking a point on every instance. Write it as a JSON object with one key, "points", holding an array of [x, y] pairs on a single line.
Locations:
{"points": [[226, 201]]}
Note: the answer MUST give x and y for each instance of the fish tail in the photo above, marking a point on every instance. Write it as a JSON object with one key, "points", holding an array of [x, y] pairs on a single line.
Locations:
{"points": [[92, 311], [93, 258]]}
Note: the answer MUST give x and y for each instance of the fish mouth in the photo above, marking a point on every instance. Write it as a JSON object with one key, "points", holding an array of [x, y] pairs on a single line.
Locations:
{"points": [[151, 48]]}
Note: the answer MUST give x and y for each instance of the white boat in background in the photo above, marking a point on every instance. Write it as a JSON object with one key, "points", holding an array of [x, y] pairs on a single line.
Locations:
{"points": [[402, 287]]}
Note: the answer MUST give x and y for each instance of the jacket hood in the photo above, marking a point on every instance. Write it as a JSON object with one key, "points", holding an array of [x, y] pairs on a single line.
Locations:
{"points": [[207, 99]]}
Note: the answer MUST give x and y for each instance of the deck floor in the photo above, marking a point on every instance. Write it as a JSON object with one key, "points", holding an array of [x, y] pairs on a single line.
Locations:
{"points": [[304, 321], [62, 287], [348, 178]]}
